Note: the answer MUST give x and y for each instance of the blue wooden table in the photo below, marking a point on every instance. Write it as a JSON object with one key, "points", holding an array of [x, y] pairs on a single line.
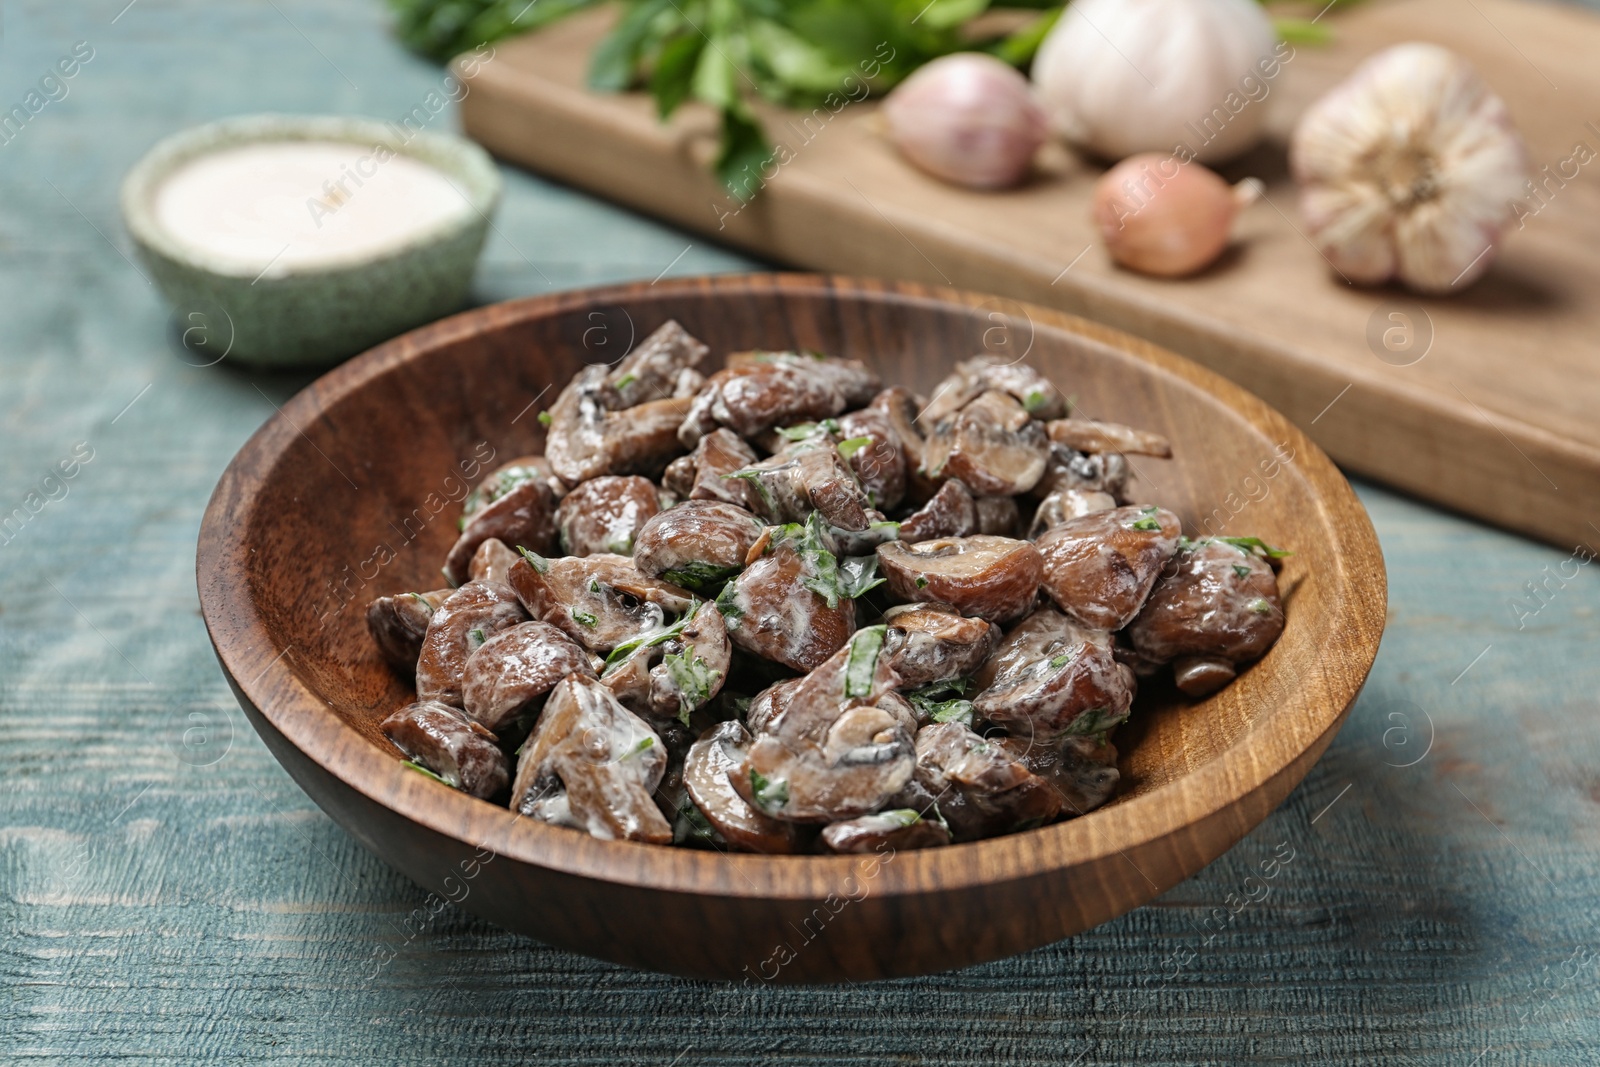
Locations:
{"points": [[168, 901]]}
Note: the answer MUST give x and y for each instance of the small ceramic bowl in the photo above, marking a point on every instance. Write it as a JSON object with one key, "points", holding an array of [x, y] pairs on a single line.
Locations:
{"points": [[312, 315]]}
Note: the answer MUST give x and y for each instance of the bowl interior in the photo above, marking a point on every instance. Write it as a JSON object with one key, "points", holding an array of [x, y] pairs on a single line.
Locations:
{"points": [[355, 493]]}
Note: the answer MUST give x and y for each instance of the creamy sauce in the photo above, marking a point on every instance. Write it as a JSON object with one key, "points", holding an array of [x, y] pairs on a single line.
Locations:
{"points": [[278, 206]]}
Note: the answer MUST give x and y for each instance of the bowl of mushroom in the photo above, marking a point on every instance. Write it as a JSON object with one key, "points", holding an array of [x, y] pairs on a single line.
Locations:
{"points": [[789, 628]]}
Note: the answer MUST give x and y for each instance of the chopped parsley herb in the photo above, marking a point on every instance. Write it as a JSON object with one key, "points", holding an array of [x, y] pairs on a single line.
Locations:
{"points": [[644, 745], [692, 825], [921, 582], [1254, 546], [862, 663], [699, 576], [1060, 661], [1147, 520], [694, 678], [957, 710], [808, 429], [1241, 571], [420, 599], [858, 574], [769, 795], [475, 640], [536, 561], [461, 523], [594, 585], [755, 478], [627, 648], [544, 418], [627, 380], [728, 604], [1259, 606], [902, 817], [420, 769], [1095, 721], [944, 701], [583, 618], [1035, 400], [851, 446]]}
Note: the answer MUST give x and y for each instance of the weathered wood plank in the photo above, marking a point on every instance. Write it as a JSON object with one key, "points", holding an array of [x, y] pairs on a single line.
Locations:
{"points": [[158, 911]]}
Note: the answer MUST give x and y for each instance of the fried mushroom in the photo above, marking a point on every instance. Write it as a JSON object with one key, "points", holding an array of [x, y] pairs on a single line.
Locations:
{"points": [[452, 747], [698, 545], [973, 377], [656, 366], [992, 444], [875, 454], [600, 601], [926, 644], [993, 578], [1053, 678], [492, 561], [975, 785], [774, 608], [708, 775], [1082, 770], [523, 517], [457, 628], [951, 512], [604, 514], [1100, 567], [399, 623], [1087, 435], [512, 670], [588, 436], [594, 765], [895, 830]]}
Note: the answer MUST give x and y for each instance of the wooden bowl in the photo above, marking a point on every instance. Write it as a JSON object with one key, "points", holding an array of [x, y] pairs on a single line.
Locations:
{"points": [[353, 492]]}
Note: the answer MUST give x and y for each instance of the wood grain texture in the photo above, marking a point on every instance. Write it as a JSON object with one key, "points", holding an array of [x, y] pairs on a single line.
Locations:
{"points": [[1495, 417], [153, 911], [283, 595]]}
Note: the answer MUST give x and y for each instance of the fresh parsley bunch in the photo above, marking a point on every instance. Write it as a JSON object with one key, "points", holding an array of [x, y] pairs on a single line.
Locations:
{"points": [[728, 53]]}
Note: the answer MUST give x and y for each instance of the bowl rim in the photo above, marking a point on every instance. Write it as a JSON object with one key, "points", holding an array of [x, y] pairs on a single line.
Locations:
{"points": [[465, 163], [262, 674]]}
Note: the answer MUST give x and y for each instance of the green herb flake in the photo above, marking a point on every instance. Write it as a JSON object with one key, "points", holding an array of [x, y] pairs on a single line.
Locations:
{"points": [[1260, 606], [583, 618], [420, 769], [544, 418], [627, 648], [645, 744], [420, 599], [1254, 546], [1035, 400], [699, 576], [694, 678], [851, 446], [769, 795], [756, 480], [902, 817], [858, 575], [536, 561], [627, 380], [1145, 525], [594, 585], [862, 664], [1094, 722], [957, 710], [1060, 661], [922, 583], [1241, 571], [475, 640]]}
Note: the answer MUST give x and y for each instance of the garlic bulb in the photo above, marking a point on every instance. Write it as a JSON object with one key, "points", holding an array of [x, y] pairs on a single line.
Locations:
{"points": [[1408, 169], [968, 118], [1158, 215], [1190, 77]]}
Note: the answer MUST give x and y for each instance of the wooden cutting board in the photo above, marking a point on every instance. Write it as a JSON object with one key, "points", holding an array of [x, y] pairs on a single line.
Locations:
{"points": [[1484, 401]]}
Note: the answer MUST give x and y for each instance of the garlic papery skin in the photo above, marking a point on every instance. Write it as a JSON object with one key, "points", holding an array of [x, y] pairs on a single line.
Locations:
{"points": [[1408, 170], [1159, 215], [1190, 77], [967, 118]]}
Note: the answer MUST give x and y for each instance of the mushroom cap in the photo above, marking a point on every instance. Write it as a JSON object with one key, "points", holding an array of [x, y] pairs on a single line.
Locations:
{"points": [[514, 668], [1099, 568], [1216, 600], [992, 578], [1052, 677], [468, 617], [458, 750], [708, 775]]}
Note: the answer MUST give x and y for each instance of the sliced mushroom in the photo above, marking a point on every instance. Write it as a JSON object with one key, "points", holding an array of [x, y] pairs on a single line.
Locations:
{"points": [[1200, 676], [524, 517], [1064, 504], [808, 475], [698, 545], [1100, 568], [1215, 600], [773, 608], [515, 668], [951, 512], [998, 515], [1087, 435], [853, 380], [929, 644], [592, 764], [973, 377], [1052, 678], [492, 561], [991, 444], [752, 397], [769, 703], [718, 455], [893, 831], [876, 455], [832, 753], [456, 749], [1105, 472], [1082, 770], [900, 406], [694, 664], [458, 627], [399, 623], [993, 578], [707, 773], [653, 369], [600, 601], [506, 478], [976, 786], [588, 437], [604, 514]]}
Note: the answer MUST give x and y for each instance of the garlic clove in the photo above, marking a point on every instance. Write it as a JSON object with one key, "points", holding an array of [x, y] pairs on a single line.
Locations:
{"points": [[1407, 170], [1158, 215], [967, 118], [1117, 77]]}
